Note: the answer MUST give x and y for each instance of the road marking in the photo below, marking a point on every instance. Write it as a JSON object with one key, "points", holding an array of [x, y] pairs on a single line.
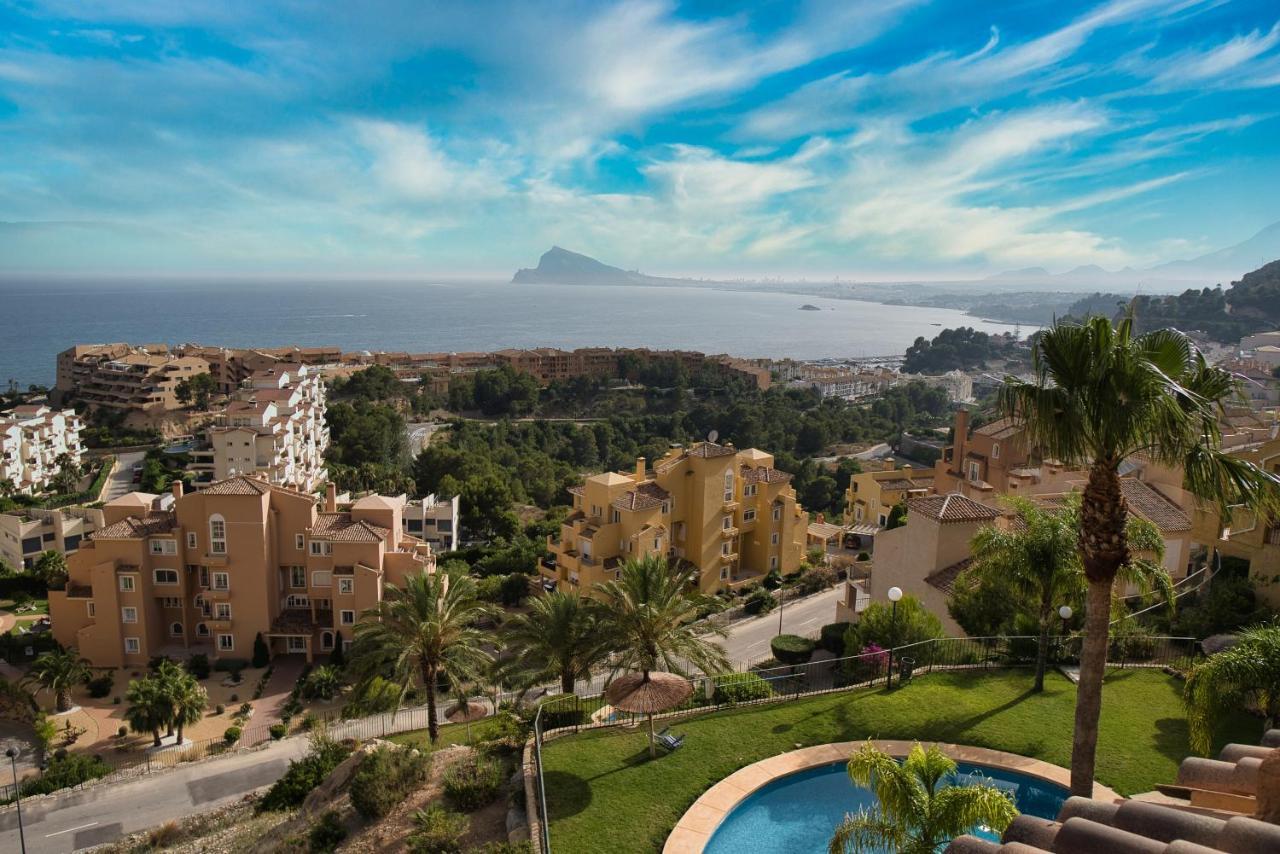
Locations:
{"points": [[71, 829]]}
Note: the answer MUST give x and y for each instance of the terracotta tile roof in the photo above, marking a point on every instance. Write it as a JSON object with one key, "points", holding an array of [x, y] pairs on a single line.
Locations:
{"points": [[952, 508], [341, 528], [135, 527], [1145, 501], [945, 578], [707, 450], [636, 500], [763, 474], [238, 485], [577, 490], [1004, 428], [901, 483]]}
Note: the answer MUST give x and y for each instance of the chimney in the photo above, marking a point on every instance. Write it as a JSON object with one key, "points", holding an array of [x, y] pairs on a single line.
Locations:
{"points": [[330, 498], [639, 469], [176, 489]]}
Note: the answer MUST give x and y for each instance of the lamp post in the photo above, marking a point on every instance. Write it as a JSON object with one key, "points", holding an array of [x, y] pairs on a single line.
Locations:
{"points": [[895, 593], [12, 753]]}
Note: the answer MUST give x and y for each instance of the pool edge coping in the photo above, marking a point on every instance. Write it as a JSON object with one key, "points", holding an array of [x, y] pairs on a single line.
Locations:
{"points": [[695, 828]]}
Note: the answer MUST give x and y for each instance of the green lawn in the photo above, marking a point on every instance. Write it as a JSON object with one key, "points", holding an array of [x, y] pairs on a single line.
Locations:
{"points": [[604, 794]]}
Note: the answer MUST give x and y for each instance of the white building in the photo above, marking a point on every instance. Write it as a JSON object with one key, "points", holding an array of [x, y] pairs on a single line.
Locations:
{"points": [[273, 428], [434, 520], [27, 534], [32, 438], [957, 384]]}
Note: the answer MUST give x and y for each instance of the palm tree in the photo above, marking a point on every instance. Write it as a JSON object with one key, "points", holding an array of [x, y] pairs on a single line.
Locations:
{"points": [[648, 620], [1246, 675], [1099, 396], [59, 671], [7, 488], [559, 638], [189, 700], [1035, 565], [424, 631], [150, 707], [917, 814]]}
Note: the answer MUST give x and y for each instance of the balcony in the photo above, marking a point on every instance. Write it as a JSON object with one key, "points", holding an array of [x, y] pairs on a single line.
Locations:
{"points": [[731, 557], [728, 533], [729, 506]]}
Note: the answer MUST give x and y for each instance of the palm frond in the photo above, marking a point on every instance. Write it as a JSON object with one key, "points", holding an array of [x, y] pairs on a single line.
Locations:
{"points": [[866, 831]]}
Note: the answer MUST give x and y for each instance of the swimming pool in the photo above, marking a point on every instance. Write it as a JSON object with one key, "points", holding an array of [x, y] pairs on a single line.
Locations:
{"points": [[796, 814]]}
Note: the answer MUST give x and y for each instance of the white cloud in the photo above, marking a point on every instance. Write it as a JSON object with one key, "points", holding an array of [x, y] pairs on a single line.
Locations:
{"points": [[410, 163]]}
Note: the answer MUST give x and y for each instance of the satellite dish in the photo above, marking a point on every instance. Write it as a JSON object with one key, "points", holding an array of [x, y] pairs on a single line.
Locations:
{"points": [[713, 435]]}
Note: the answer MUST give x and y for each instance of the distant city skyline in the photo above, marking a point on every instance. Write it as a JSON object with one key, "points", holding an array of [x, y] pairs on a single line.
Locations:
{"points": [[893, 139]]}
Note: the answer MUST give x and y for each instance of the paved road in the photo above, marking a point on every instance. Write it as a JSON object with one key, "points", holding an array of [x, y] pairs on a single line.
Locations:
{"points": [[121, 480], [748, 640], [420, 433], [104, 813]]}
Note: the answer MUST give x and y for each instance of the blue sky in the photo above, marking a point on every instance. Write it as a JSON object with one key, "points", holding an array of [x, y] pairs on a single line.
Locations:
{"points": [[861, 139]]}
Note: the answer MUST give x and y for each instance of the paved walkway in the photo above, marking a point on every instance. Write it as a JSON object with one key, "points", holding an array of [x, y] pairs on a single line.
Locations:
{"points": [[266, 709], [121, 480]]}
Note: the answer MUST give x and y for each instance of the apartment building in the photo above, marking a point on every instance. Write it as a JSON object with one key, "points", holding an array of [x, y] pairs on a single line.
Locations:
{"points": [[28, 533], [138, 381], [957, 384], [208, 571], [273, 428], [729, 513], [32, 439], [845, 385], [872, 494], [434, 520]]}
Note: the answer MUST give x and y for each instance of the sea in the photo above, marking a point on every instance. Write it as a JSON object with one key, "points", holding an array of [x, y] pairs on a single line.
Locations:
{"points": [[39, 318]]}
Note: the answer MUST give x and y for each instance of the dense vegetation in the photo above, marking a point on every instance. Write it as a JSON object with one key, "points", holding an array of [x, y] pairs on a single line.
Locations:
{"points": [[1249, 305], [964, 348]]}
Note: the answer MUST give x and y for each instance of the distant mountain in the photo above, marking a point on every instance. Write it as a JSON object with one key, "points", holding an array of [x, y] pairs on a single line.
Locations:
{"points": [[1232, 262], [559, 266]]}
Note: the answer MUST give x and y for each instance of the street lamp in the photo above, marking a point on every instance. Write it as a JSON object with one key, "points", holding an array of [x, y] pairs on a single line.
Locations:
{"points": [[895, 593], [1065, 613], [12, 753]]}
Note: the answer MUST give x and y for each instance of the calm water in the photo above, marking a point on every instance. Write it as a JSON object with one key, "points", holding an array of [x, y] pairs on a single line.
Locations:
{"points": [[39, 319], [797, 814]]}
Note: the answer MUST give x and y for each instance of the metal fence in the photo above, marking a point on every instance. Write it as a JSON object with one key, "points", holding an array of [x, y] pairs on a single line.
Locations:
{"points": [[887, 667]]}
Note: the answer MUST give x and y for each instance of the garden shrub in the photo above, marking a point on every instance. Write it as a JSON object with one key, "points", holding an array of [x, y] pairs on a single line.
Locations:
{"points": [[322, 683], [521, 847], [560, 711], [278, 731], [472, 782], [385, 778], [816, 579], [304, 774], [261, 655], [232, 735], [759, 602], [327, 833], [230, 665], [100, 686], [68, 769], [438, 831], [219, 709], [831, 637], [741, 688], [198, 666], [792, 649]]}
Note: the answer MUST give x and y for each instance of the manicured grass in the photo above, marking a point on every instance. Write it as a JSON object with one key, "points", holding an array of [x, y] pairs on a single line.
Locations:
{"points": [[450, 735], [605, 794]]}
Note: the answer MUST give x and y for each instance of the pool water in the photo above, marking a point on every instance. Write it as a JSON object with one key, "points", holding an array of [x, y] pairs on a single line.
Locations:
{"points": [[798, 813]]}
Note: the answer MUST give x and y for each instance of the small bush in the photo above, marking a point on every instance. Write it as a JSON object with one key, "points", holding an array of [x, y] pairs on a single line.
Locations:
{"points": [[304, 774], [322, 683], [792, 649], [864, 556], [115, 701], [232, 735], [521, 847], [816, 579], [245, 710], [327, 833], [164, 836], [831, 638], [560, 711], [740, 688], [309, 722], [472, 783], [198, 666], [100, 686], [278, 731], [66, 769], [219, 709], [759, 602], [261, 655], [439, 831], [122, 732], [385, 778], [235, 698]]}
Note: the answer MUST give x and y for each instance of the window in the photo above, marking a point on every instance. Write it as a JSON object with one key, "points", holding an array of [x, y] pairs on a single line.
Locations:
{"points": [[217, 535], [128, 614], [166, 576], [128, 583], [296, 644], [164, 547], [226, 643], [202, 631], [346, 585], [320, 548], [615, 517], [297, 576], [204, 576], [857, 514], [132, 646], [657, 544], [666, 507], [726, 523], [724, 573], [748, 515], [321, 578], [595, 511], [347, 618], [171, 602], [93, 612], [777, 512], [773, 562], [884, 520], [191, 539], [750, 490], [346, 645], [724, 548], [222, 581], [299, 542], [326, 640], [296, 601], [222, 610], [175, 630], [728, 485], [975, 472], [995, 450], [773, 538]]}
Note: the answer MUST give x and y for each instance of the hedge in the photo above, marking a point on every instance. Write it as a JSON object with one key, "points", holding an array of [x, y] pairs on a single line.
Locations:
{"points": [[792, 649], [831, 638], [89, 495], [740, 688]]}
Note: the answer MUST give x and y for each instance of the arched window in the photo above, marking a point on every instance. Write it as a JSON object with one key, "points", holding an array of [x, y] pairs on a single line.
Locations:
{"points": [[175, 630], [217, 535], [326, 640], [202, 630]]}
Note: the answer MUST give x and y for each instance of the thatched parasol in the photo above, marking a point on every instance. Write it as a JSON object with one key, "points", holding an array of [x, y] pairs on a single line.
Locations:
{"points": [[648, 693]]}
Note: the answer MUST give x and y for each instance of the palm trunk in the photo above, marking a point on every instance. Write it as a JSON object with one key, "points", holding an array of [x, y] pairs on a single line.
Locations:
{"points": [[62, 699], [180, 726], [566, 681], [1104, 548], [1042, 655], [433, 726], [155, 737]]}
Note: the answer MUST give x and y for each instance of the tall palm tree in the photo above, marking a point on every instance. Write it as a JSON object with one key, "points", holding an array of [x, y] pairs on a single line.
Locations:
{"points": [[59, 671], [1247, 674], [171, 679], [917, 812], [648, 616], [150, 707], [424, 631], [187, 698], [1036, 566], [560, 638], [1100, 395]]}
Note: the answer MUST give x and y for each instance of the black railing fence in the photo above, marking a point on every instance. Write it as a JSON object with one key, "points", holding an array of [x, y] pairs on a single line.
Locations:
{"points": [[887, 667]]}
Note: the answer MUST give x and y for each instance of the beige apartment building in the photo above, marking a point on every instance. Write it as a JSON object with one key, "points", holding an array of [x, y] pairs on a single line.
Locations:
{"points": [[28, 533], [32, 438], [273, 428], [872, 494], [206, 572], [729, 513]]}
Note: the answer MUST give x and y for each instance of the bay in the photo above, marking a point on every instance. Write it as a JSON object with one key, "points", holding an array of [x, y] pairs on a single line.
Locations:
{"points": [[39, 318]]}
